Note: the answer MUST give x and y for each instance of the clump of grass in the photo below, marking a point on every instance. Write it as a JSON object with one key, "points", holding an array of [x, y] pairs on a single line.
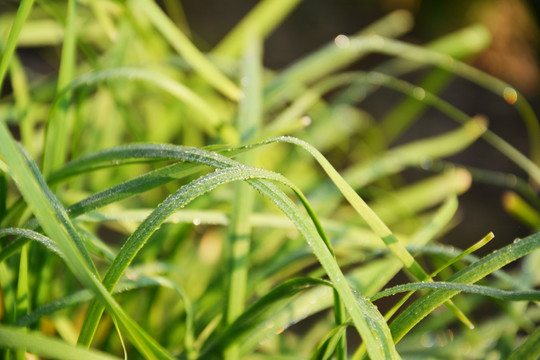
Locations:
{"points": [[163, 202]]}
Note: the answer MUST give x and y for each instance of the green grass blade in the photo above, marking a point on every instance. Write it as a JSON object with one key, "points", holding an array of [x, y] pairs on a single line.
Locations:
{"points": [[137, 240], [334, 56], [529, 349], [531, 295], [9, 48], [29, 234], [371, 218], [56, 134], [498, 87], [214, 159], [474, 272], [249, 118], [262, 20], [36, 343], [185, 48]]}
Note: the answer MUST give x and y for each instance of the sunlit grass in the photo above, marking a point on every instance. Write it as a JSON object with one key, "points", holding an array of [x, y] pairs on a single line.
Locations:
{"points": [[164, 203]]}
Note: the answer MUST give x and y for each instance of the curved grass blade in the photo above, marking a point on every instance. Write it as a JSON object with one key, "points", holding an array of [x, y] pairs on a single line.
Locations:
{"points": [[332, 57], [137, 240], [446, 108], [366, 318], [498, 87], [36, 343], [531, 295], [371, 218], [375, 327], [31, 235], [472, 273]]}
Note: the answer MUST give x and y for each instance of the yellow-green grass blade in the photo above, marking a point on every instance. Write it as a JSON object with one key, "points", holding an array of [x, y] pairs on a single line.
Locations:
{"points": [[9, 48], [520, 209], [247, 125], [36, 343], [56, 133], [262, 20], [510, 295], [454, 113], [371, 218], [176, 38]]}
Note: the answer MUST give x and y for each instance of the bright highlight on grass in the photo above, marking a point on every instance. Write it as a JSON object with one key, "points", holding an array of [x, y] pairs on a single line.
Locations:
{"points": [[160, 202]]}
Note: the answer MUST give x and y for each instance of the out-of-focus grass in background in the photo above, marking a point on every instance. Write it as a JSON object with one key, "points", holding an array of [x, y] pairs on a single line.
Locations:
{"points": [[202, 180]]}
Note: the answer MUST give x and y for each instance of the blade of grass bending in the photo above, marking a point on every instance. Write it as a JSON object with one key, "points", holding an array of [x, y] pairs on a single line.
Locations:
{"points": [[185, 48], [137, 240], [460, 44], [248, 123], [498, 87], [371, 218], [351, 303], [32, 235], [366, 318], [56, 133], [454, 113], [7, 54], [472, 273], [531, 295], [38, 344], [54, 222], [455, 259], [262, 19]]}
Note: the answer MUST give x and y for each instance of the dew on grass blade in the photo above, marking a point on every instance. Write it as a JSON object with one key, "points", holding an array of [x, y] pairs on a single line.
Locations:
{"points": [[342, 41], [510, 95], [419, 93]]}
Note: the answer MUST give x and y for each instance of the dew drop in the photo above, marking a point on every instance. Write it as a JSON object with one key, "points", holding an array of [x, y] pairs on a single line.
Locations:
{"points": [[419, 93], [305, 120], [342, 41], [510, 95], [196, 221], [426, 164]]}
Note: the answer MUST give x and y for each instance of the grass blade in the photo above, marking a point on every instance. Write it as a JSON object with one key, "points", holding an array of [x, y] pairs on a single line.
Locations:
{"points": [[36, 343], [185, 47]]}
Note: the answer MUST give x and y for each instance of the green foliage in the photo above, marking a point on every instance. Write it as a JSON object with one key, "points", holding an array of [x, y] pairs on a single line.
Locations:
{"points": [[163, 202]]}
